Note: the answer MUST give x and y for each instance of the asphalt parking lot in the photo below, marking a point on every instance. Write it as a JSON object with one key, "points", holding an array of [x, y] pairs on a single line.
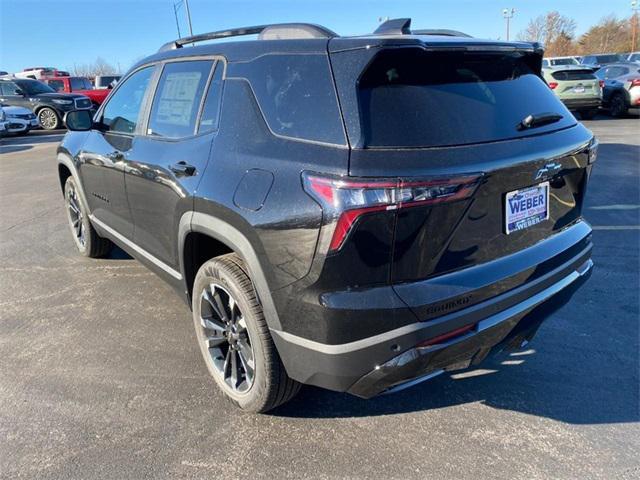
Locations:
{"points": [[101, 377]]}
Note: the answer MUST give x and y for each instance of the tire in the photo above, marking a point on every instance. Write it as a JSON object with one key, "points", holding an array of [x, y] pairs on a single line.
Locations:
{"points": [[618, 105], [87, 240], [238, 339], [588, 114], [48, 118]]}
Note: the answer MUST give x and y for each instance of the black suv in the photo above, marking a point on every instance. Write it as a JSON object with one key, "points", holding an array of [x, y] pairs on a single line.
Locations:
{"points": [[49, 106], [357, 213]]}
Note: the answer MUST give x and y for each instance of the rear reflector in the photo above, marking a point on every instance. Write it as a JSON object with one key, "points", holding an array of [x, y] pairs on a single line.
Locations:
{"points": [[446, 336], [553, 85], [346, 199]]}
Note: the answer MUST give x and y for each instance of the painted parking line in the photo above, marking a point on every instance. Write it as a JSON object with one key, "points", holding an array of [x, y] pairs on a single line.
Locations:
{"points": [[615, 227], [615, 207]]}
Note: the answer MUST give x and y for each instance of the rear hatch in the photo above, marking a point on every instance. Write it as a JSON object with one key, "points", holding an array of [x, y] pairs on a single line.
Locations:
{"points": [[445, 111], [574, 84]]}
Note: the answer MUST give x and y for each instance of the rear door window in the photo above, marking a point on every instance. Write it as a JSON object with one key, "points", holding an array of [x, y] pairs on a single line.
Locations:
{"points": [[416, 98], [177, 100], [211, 108]]}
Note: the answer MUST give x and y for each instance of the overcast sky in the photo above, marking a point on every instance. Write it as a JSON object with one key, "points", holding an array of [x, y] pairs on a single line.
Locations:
{"points": [[59, 33]]}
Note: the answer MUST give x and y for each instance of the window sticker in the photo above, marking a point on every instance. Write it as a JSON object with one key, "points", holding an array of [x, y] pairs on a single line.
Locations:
{"points": [[176, 100]]}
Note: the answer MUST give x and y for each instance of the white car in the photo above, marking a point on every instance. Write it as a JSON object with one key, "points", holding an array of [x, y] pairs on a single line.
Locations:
{"points": [[19, 120]]}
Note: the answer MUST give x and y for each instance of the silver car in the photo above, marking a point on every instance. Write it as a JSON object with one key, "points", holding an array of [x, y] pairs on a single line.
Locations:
{"points": [[19, 120], [621, 87]]}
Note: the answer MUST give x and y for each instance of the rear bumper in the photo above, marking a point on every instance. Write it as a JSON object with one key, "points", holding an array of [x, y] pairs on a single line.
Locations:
{"points": [[392, 359], [582, 103], [508, 329]]}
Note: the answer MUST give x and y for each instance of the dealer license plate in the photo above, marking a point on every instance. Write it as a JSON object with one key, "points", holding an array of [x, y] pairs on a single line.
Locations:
{"points": [[526, 207]]}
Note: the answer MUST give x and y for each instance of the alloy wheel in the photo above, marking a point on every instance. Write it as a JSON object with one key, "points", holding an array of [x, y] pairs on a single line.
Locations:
{"points": [[225, 335], [47, 119], [74, 211]]}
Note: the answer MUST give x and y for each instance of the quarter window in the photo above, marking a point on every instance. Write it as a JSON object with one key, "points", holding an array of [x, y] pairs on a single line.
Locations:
{"points": [[123, 109], [177, 100]]}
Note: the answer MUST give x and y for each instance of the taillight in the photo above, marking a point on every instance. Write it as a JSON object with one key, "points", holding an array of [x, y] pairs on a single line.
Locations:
{"points": [[601, 82], [635, 82], [346, 199], [553, 85]]}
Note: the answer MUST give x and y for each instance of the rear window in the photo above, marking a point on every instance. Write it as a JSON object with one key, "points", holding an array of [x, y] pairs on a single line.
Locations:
{"points": [[79, 83], [416, 98], [573, 75], [607, 58], [564, 61]]}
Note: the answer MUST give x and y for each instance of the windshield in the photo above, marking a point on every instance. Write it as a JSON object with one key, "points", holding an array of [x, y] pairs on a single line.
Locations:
{"points": [[33, 87]]}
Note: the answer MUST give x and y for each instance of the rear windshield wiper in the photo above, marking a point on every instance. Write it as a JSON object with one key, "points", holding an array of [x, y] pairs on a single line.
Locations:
{"points": [[538, 120]]}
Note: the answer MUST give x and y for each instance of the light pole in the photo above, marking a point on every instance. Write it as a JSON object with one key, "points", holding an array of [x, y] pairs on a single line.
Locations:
{"points": [[634, 24], [176, 7], [508, 13], [186, 4]]}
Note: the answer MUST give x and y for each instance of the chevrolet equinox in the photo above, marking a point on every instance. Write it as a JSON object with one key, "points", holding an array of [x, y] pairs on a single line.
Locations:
{"points": [[357, 213]]}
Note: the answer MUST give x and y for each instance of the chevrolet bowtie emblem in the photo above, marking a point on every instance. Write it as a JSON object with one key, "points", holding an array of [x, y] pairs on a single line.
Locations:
{"points": [[547, 170]]}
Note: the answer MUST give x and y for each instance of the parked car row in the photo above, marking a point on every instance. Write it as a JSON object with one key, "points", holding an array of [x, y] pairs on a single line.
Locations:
{"points": [[614, 87]]}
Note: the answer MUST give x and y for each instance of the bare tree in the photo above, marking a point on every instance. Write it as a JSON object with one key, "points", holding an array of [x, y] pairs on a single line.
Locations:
{"points": [[553, 30], [608, 35], [98, 67]]}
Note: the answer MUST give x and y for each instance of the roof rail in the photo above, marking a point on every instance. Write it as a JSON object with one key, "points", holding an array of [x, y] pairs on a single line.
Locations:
{"points": [[267, 32], [395, 26], [440, 31]]}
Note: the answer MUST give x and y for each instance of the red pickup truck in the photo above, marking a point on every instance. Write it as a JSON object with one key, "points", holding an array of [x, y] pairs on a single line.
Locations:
{"points": [[80, 85]]}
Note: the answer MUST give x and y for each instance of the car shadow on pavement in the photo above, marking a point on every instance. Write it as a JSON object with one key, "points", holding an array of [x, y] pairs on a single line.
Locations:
{"points": [[14, 148], [503, 381]]}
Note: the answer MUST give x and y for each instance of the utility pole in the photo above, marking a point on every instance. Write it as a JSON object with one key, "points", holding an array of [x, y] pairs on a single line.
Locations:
{"points": [[507, 13], [176, 6], [634, 24], [186, 4]]}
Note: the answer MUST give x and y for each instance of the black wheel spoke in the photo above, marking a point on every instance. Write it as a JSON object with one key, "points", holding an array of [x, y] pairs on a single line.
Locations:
{"points": [[234, 369], [220, 306]]}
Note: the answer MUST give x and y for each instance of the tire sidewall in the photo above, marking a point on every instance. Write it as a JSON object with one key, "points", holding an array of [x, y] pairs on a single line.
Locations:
{"points": [[214, 271]]}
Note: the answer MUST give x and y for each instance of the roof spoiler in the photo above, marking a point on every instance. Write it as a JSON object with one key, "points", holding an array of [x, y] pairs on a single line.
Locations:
{"points": [[402, 26], [275, 31]]}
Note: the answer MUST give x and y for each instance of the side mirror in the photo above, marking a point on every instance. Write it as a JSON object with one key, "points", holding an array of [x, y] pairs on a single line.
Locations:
{"points": [[79, 120], [17, 91]]}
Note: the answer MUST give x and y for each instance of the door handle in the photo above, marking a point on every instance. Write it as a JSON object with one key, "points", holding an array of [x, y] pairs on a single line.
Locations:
{"points": [[115, 156], [183, 169]]}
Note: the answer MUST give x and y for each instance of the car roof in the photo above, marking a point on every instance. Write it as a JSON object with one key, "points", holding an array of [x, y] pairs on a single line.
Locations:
{"points": [[309, 38]]}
